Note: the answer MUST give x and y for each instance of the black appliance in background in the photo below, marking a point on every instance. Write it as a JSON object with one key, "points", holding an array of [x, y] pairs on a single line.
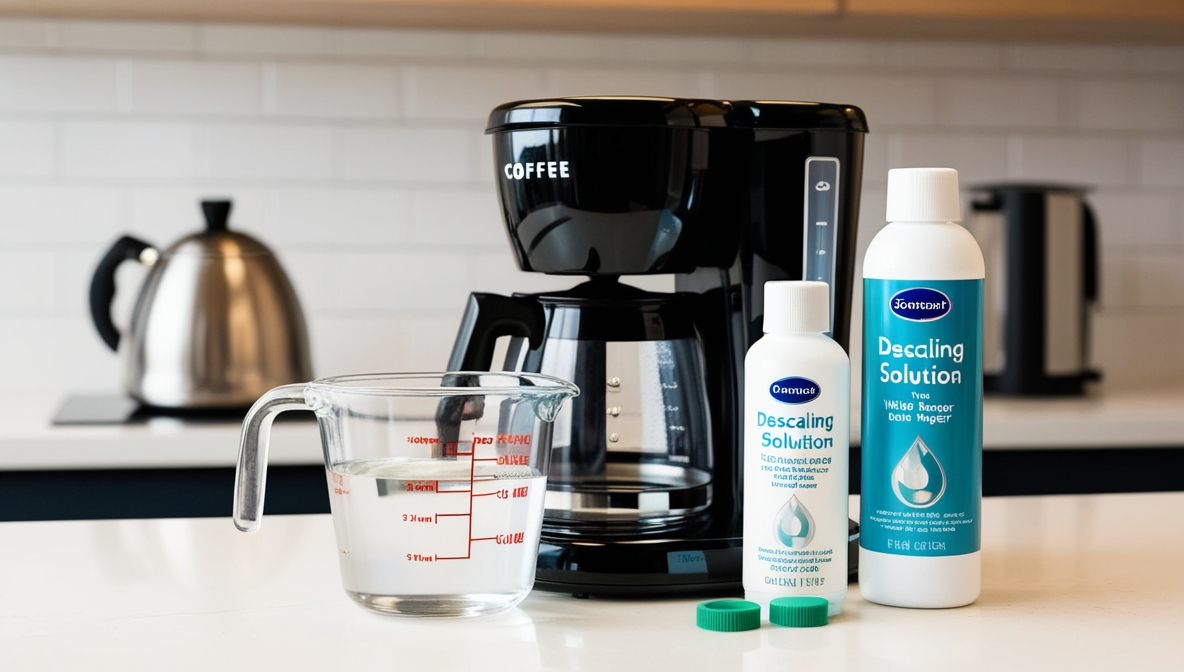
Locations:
{"points": [[1040, 244], [644, 491]]}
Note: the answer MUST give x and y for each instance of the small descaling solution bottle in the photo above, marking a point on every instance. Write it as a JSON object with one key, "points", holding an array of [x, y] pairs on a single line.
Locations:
{"points": [[797, 406], [921, 485]]}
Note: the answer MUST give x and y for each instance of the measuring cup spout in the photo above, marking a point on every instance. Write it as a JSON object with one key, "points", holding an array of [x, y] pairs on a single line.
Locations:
{"points": [[250, 478]]}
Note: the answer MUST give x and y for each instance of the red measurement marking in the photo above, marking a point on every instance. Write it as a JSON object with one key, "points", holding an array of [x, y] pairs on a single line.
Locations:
{"points": [[422, 486], [501, 539], [513, 439]]}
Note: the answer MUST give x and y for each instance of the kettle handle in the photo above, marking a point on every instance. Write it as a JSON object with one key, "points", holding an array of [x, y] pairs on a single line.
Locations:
{"points": [[102, 286], [1091, 275], [488, 316]]}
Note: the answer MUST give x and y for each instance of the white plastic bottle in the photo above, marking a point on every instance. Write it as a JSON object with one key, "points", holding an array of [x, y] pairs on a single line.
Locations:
{"points": [[797, 411], [921, 484]]}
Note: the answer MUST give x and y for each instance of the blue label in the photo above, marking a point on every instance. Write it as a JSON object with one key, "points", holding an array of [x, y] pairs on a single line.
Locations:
{"points": [[794, 390], [920, 304], [922, 417]]}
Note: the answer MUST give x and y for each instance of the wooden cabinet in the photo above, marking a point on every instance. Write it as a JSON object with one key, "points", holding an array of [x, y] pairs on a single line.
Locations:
{"points": [[1108, 20]]}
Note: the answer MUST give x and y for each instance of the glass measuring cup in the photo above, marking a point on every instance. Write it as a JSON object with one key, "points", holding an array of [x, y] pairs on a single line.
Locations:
{"points": [[436, 483]]}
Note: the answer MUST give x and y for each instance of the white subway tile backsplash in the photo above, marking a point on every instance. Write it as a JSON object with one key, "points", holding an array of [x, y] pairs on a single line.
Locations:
{"points": [[1162, 162], [346, 216], [336, 91], [376, 343], [625, 81], [428, 340], [358, 155], [875, 158], [1158, 58], [61, 214], [195, 87], [410, 154], [30, 273], [977, 158], [26, 148], [1001, 102], [56, 84], [383, 42], [497, 272], [309, 274], [126, 149], [1137, 219], [127, 36], [458, 217], [1161, 280], [72, 272], [16, 33], [676, 49], [162, 214], [1067, 57], [259, 151], [1137, 349], [806, 51], [264, 40], [55, 354], [945, 55], [397, 280], [1118, 279], [1131, 105], [544, 47], [1089, 161], [464, 92]]}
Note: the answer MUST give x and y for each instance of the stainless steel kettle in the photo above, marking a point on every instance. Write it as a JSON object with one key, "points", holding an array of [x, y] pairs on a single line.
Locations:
{"points": [[216, 324]]}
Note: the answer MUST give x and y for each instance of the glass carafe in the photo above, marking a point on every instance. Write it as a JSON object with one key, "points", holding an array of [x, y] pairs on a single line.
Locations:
{"points": [[436, 483], [633, 455]]}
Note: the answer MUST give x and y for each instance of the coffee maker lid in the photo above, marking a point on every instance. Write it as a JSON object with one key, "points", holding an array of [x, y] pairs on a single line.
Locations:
{"points": [[797, 115], [608, 111]]}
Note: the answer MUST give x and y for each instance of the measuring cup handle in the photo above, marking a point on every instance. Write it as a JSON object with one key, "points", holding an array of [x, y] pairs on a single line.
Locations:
{"points": [[250, 479]]}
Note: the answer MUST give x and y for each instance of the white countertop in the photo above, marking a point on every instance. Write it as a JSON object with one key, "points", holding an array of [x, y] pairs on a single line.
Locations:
{"points": [[1143, 418], [1080, 582]]}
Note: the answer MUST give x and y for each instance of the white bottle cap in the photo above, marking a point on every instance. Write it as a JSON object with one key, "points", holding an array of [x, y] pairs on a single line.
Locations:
{"points": [[796, 307], [923, 195]]}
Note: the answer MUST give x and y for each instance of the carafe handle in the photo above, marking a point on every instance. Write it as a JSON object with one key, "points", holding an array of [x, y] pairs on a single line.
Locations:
{"points": [[488, 316], [250, 479]]}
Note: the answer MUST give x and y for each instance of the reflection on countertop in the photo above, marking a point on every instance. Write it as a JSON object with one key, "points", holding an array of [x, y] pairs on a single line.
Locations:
{"points": [[1089, 581]]}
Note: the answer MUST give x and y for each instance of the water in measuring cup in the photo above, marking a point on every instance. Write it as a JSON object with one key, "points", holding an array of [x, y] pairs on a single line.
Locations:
{"points": [[436, 537]]}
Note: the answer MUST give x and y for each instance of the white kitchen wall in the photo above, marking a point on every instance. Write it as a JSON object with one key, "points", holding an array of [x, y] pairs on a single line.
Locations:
{"points": [[358, 154]]}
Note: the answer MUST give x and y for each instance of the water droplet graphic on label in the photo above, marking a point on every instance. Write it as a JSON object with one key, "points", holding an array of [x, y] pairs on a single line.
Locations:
{"points": [[918, 479], [795, 525]]}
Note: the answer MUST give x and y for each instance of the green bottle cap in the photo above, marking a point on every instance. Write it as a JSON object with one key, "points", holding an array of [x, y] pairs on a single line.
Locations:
{"points": [[728, 615], [798, 612]]}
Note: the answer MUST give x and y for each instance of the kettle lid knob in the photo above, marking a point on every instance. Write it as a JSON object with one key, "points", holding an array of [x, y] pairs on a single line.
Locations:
{"points": [[217, 213]]}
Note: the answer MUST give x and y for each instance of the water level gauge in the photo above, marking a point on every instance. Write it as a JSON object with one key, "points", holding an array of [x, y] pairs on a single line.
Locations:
{"points": [[821, 223]]}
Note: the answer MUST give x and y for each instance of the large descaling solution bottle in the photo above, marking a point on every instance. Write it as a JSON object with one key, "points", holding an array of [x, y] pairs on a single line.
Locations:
{"points": [[922, 424], [797, 410]]}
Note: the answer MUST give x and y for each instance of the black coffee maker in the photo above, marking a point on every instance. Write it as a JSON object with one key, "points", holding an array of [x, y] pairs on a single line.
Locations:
{"points": [[644, 492]]}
